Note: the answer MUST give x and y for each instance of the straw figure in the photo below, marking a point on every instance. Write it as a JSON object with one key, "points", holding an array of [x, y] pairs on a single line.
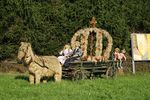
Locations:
{"points": [[65, 54], [84, 34], [39, 66]]}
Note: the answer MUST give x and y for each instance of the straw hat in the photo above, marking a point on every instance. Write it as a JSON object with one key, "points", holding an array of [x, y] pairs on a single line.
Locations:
{"points": [[67, 46], [117, 49], [123, 51]]}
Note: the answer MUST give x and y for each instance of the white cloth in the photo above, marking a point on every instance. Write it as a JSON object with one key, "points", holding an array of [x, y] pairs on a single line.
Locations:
{"points": [[64, 55]]}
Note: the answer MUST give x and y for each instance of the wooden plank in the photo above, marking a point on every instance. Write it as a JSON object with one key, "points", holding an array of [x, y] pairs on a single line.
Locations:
{"points": [[95, 71], [89, 64], [103, 67]]}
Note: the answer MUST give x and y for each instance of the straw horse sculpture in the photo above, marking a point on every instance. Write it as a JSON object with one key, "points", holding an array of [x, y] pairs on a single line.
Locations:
{"points": [[39, 66]]}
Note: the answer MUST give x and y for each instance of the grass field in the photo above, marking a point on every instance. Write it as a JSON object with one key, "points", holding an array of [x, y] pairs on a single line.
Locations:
{"points": [[128, 87]]}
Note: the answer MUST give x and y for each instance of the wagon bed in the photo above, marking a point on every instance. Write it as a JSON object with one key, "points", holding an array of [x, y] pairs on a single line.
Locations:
{"points": [[85, 69]]}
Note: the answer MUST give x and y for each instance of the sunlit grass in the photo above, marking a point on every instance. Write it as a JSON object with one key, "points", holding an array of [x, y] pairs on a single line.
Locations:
{"points": [[128, 87]]}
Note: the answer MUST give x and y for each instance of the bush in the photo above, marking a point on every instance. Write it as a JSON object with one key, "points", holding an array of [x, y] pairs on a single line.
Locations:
{"points": [[49, 24]]}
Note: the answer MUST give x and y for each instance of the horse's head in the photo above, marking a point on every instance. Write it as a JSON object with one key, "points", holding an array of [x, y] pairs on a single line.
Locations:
{"points": [[25, 52]]}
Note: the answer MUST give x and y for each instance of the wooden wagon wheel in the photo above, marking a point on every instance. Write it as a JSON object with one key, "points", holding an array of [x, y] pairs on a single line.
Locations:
{"points": [[111, 72], [80, 74]]}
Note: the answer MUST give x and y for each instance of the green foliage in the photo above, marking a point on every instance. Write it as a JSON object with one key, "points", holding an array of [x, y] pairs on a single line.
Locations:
{"points": [[49, 24], [128, 87], [7, 50]]}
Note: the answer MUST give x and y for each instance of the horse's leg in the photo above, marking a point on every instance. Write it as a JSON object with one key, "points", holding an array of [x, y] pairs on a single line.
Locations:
{"points": [[32, 69], [44, 73], [31, 78], [57, 77], [37, 76]]}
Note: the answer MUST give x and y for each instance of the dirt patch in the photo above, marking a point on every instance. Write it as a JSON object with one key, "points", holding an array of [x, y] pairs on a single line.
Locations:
{"points": [[12, 66]]}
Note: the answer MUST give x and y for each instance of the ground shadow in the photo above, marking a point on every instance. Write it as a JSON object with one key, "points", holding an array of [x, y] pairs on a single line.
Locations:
{"points": [[22, 77], [26, 78]]}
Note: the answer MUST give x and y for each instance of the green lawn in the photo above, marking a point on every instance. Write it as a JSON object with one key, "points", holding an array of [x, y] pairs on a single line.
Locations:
{"points": [[128, 87]]}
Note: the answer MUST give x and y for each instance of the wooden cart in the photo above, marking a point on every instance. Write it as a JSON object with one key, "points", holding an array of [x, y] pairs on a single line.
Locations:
{"points": [[88, 70], [94, 47]]}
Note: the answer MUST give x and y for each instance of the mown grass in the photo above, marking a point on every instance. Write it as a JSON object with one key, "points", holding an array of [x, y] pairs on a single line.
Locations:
{"points": [[128, 87]]}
